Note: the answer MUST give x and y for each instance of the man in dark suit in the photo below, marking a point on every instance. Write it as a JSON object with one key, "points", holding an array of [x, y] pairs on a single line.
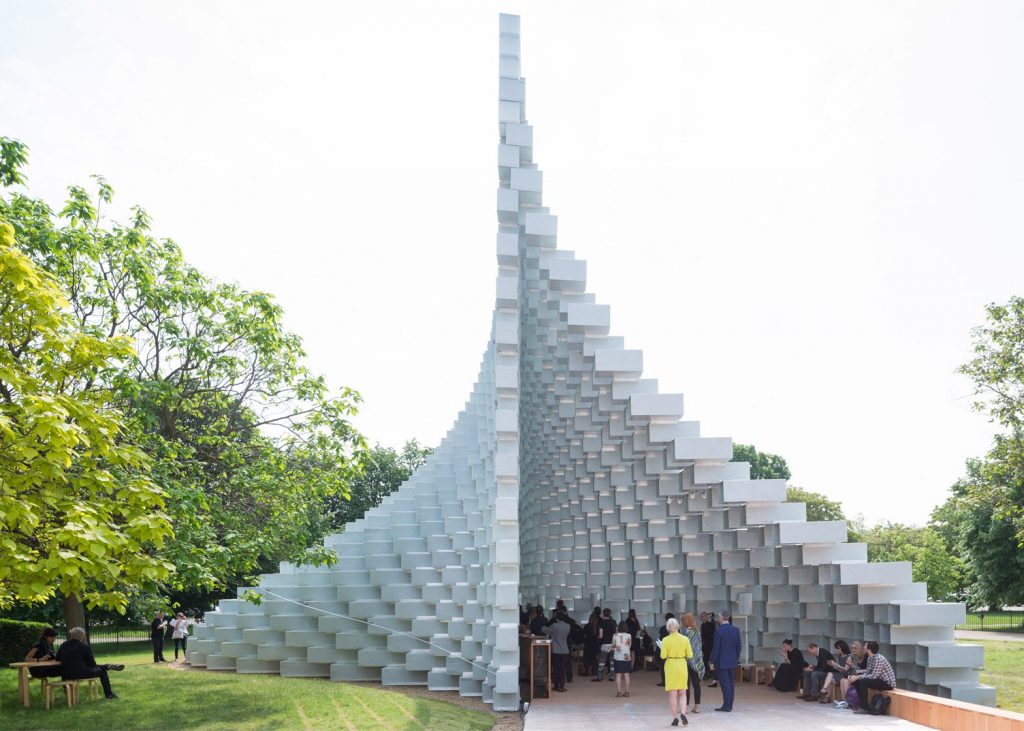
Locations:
{"points": [[77, 662], [156, 634], [725, 658], [814, 675]]}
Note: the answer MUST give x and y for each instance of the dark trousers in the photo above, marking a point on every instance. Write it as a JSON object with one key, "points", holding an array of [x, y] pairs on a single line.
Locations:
{"points": [[813, 680], [568, 667], [158, 648], [694, 684], [559, 661], [98, 672], [865, 683], [726, 679], [706, 652], [50, 672], [184, 646]]}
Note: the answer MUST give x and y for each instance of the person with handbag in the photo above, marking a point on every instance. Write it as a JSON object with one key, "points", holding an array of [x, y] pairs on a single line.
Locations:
{"points": [[675, 651], [622, 647], [180, 634], [696, 663]]}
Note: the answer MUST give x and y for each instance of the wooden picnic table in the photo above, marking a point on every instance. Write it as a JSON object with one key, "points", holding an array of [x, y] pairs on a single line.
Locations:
{"points": [[23, 676]]}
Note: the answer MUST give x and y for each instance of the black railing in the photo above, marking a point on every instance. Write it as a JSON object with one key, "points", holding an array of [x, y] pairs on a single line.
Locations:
{"points": [[995, 620], [104, 634]]}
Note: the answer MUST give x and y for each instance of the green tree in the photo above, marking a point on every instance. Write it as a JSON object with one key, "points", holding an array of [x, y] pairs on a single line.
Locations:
{"points": [[248, 443], [987, 511], [386, 469], [926, 548], [763, 466], [77, 511], [819, 506], [988, 534]]}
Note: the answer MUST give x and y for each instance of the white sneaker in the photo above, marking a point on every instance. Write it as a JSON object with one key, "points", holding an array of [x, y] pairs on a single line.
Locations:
{"points": [[842, 704]]}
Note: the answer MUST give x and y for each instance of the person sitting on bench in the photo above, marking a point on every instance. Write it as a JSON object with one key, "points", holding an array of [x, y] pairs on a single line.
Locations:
{"points": [[78, 663], [878, 676], [841, 666], [790, 668], [42, 651], [816, 674]]}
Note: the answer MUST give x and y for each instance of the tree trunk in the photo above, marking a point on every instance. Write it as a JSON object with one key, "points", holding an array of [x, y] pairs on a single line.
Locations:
{"points": [[74, 612]]}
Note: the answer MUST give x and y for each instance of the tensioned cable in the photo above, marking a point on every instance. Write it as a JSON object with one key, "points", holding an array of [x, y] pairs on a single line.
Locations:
{"points": [[380, 626]]}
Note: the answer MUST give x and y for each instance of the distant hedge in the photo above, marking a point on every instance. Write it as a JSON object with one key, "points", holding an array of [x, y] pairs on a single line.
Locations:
{"points": [[16, 638]]}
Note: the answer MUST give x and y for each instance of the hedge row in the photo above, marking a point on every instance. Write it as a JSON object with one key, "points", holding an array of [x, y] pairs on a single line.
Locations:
{"points": [[16, 638]]}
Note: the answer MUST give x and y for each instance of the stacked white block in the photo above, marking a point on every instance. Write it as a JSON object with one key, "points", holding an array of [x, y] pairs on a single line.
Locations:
{"points": [[569, 475], [426, 588], [626, 505]]}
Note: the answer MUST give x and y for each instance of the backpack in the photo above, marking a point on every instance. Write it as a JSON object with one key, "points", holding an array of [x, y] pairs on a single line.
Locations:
{"points": [[853, 699], [878, 705]]}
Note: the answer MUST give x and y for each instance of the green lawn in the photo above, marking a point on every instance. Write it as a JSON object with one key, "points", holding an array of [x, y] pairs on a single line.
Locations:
{"points": [[1004, 663], [157, 697]]}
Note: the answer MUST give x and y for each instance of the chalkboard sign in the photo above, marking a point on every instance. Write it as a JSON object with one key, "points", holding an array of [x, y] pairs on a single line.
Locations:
{"points": [[540, 667]]}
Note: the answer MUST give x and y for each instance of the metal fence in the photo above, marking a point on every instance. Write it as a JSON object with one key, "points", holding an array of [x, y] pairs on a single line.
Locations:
{"points": [[996, 620], [105, 634]]}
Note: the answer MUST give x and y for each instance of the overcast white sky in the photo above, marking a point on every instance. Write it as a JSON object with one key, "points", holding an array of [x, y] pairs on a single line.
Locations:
{"points": [[798, 210]]}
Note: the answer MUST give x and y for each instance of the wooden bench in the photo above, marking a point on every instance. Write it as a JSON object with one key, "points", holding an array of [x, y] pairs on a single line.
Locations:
{"points": [[948, 715], [71, 690]]}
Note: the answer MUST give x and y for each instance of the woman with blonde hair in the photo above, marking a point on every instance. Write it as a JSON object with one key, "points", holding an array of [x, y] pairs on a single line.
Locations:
{"points": [[675, 651], [695, 664]]}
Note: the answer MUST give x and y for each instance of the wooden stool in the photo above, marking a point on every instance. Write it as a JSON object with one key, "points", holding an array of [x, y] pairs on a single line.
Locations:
{"points": [[42, 686], [70, 691], [741, 674]]}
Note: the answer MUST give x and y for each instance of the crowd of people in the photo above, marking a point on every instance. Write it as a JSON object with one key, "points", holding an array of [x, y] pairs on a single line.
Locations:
{"points": [[687, 653], [855, 668], [683, 652]]}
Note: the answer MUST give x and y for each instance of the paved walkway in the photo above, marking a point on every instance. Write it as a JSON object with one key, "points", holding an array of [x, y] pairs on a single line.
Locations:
{"points": [[593, 707], [970, 634]]}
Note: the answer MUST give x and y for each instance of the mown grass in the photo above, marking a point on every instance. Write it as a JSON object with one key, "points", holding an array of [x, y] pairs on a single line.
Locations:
{"points": [[1004, 670], [160, 697]]}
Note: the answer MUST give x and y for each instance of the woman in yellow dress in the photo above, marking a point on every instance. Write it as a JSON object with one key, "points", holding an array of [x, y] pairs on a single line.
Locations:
{"points": [[675, 650]]}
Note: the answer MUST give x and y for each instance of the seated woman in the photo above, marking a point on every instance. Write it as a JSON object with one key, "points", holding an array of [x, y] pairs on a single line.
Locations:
{"points": [[858, 660], [42, 651], [792, 666], [840, 667], [78, 663]]}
